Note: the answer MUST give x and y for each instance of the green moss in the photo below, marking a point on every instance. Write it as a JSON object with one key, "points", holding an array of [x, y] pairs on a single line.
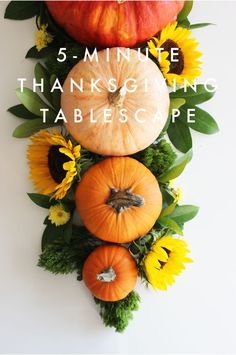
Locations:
{"points": [[58, 259], [62, 257], [158, 157], [118, 314]]}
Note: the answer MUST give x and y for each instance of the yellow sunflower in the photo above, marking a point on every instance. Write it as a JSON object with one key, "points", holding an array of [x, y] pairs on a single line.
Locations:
{"points": [[52, 161], [185, 64], [58, 215], [165, 261]]}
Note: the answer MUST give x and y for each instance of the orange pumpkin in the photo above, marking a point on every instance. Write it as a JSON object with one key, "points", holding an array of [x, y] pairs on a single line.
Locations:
{"points": [[113, 23], [118, 199], [146, 108], [110, 273]]}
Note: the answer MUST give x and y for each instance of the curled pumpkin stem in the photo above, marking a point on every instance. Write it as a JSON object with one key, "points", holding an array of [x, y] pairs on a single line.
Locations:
{"points": [[121, 200], [107, 275]]}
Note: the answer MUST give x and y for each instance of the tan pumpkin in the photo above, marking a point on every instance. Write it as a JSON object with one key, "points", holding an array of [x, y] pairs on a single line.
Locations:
{"points": [[118, 199], [145, 110], [110, 273]]}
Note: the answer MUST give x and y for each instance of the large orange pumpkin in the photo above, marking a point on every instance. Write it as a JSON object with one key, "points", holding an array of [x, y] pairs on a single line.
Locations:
{"points": [[113, 23], [146, 108], [110, 273], [118, 199]]}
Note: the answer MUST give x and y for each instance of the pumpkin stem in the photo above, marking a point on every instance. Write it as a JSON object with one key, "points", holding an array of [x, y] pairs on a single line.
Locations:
{"points": [[107, 275], [117, 98], [120, 200], [121, 1]]}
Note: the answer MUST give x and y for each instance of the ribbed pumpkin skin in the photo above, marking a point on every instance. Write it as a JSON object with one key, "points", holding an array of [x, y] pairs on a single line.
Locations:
{"points": [[116, 138], [124, 266], [94, 190], [112, 24]]}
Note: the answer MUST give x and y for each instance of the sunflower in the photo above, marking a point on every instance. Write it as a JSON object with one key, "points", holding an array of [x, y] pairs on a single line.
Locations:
{"points": [[58, 215], [165, 261], [52, 161], [185, 64]]}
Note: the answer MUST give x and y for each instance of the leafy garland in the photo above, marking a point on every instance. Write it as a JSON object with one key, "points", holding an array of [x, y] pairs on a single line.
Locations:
{"points": [[66, 247]]}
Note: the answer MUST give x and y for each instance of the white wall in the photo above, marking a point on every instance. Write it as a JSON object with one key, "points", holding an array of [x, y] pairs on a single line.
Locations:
{"points": [[41, 313]]}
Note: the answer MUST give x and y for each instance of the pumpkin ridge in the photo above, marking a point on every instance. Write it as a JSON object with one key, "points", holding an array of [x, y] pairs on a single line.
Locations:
{"points": [[114, 138], [102, 220]]}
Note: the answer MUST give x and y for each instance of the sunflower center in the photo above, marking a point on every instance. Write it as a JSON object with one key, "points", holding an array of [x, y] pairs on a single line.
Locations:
{"points": [[56, 159], [177, 66]]}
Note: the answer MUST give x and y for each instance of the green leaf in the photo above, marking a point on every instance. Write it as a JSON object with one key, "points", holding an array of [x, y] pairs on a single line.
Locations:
{"points": [[177, 168], [56, 94], [204, 122], [68, 231], [171, 224], [176, 103], [30, 127], [180, 136], [43, 53], [169, 209], [200, 25], [40, 200], [184, 213], [184, 23], [22, 112], [50, 234], [41, 73], [47, 221], [33, 102], [188, 5], [167, 198], [21, 10], [194, 97]]}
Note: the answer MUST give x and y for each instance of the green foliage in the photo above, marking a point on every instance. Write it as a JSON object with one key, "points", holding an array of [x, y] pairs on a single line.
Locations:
{"points": [[30, 127], [169, 223], [179, 134], [183, 15], [179, 131], [184, 23], [158, 157], [62, 69], [43, 53], [70, 253], [175, 103], [187, 8], [58, 258], [177, 168], [40, 200], [140, 247], [203, 121], [200, 25], [194, 97], [118, 314], [41, 73], [184, 213], [32, 103], [21, 10], [21, 112]]}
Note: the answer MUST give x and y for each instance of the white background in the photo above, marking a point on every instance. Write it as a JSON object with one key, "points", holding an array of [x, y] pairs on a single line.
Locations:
{"points": [[42, 313]]}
